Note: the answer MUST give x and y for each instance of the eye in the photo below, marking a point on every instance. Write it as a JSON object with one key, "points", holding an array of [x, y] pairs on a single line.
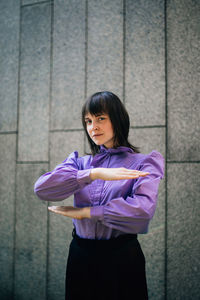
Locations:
{"points": [[88, 121], [101, 118]]}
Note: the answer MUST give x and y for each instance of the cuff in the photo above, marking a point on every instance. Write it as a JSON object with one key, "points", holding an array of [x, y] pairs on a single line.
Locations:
{"points": [[97, 213], [83, 177]]}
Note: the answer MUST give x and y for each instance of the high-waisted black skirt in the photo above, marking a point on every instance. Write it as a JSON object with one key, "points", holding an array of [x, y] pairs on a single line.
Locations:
{"points": [[106, 269]]}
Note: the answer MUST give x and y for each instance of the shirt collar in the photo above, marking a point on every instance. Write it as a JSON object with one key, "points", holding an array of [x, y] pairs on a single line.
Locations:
{"points": [[105, 152], [103, 149]]}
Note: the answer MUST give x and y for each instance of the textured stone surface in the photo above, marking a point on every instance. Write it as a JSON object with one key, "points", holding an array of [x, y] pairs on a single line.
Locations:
{"points": [[9, 53], [148, 139], [159, 216], [62, 144], [183, 243], [183, 44], [144, 69], [105, 46], [25, 2], [34, 83], [31, 235], [7, 213], [154, 251], [68, 64]]}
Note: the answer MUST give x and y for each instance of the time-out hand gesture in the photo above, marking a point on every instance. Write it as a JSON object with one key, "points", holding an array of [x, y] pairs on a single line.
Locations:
{"points": [[116, 173]]}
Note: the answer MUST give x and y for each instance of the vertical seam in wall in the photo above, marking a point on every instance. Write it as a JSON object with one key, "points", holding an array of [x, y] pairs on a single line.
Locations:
{"points": [[124, 48], [16, 158], [50, 103], [166, 145], [86, 60]]}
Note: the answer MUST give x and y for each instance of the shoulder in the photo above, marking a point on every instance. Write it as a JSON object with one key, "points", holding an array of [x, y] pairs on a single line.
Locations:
{"points": [[154, 162], [141, 157], [81, 162], [153, 156]]}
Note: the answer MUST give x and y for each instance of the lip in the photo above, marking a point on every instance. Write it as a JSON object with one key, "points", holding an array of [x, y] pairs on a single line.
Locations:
{"points": [[97, 135]]}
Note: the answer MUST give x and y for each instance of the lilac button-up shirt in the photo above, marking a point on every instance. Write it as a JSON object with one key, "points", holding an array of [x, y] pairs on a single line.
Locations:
{"points": [[117, 207]]}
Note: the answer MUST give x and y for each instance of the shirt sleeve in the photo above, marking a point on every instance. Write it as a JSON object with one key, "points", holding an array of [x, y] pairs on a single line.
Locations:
{"points": [[133, 214], [63, 181]]}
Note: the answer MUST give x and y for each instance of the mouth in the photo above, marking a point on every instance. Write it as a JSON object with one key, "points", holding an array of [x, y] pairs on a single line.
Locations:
{"points": [[95, 135]]}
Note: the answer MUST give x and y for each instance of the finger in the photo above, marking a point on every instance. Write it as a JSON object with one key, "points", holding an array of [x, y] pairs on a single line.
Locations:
{"points": [[60, 208], [121, 177], [54, 208], [143, 174], [60, 212], [129, 176], [128, 171], [56, 211], [51, 207], [135, 174]]}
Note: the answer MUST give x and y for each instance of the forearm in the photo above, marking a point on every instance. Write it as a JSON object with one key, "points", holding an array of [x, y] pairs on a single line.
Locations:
{"points": [[95, 173], [115, 173], [61, 183]]}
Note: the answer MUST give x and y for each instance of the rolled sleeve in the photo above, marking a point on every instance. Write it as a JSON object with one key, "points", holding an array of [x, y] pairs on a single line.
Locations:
{"points": [[97, 213], [83, 177]]}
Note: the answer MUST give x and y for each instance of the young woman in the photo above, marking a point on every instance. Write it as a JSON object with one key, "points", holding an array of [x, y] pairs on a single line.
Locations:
{"points": [[115, 193]]}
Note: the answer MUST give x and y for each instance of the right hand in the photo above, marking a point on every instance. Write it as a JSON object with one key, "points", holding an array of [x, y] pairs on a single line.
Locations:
{"points": [[116, 173]]}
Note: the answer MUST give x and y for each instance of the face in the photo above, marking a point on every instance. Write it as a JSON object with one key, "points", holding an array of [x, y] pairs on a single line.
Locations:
{"points": [[100, 129]]}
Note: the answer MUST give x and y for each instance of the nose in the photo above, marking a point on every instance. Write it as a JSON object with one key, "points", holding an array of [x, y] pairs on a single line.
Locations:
{"points": [[94, 126]]}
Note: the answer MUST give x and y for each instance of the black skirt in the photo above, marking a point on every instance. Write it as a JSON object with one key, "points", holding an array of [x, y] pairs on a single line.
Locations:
{"points": [[106, 269]]}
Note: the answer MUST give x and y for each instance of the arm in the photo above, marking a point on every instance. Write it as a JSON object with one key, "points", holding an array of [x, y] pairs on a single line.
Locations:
{"points": [[63, 181], [132, 215], [97, 173]]}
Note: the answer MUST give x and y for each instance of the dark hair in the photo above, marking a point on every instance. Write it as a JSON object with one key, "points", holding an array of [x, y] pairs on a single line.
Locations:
{"points": [[109, 103]]}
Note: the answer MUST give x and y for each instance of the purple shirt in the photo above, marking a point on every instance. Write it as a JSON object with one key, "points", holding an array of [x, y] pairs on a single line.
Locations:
{"points": [[117, 207]]}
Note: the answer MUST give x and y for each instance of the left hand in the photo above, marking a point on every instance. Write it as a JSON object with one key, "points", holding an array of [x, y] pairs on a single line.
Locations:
{"points": [[71, 212]]}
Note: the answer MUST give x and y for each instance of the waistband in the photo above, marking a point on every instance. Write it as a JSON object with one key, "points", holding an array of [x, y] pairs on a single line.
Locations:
{"points": [[117, 241]]}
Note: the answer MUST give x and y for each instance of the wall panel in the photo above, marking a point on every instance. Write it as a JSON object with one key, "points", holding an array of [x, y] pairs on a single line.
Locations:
{"points": [[183, 44], [145, 62], [31, 235], [34, 83], [105, 46], [183, 245], [9, 54], [68, 89], [7, 213]]}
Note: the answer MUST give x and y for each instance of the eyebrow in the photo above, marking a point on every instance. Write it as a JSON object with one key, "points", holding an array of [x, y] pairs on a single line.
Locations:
{"points": [[100, 114], [97, 115]]}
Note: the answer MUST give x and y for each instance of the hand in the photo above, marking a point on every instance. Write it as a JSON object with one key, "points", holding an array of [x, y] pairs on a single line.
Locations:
{"points": [[71, 212], [116, 173]]}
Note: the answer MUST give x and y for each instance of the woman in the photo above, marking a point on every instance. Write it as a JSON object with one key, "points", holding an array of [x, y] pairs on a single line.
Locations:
{"points": [[115, 193]]}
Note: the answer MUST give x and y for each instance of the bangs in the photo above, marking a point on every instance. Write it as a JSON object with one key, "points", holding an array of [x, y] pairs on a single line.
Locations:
{"points": [[96, 105]]}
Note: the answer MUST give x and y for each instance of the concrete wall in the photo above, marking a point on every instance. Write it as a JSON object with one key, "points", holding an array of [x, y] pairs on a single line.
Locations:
{"points": [[53, 55]]}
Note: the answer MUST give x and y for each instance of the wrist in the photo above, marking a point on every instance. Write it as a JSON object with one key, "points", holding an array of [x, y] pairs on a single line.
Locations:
{"points": [[86, 212], [93, 174]]}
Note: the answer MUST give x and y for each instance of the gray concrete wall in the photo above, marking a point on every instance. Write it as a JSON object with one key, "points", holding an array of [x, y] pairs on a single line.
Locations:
{"points": [[53, 55]]}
